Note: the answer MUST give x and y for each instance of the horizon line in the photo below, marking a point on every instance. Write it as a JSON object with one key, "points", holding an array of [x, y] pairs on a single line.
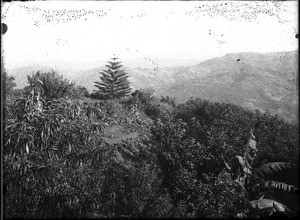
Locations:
{"points": [[93, 63]]}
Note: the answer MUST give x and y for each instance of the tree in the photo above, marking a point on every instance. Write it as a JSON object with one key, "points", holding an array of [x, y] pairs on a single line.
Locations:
{"points": [[253, 185], [51, 84], [51, 165], [8, 82], [114, 83]]}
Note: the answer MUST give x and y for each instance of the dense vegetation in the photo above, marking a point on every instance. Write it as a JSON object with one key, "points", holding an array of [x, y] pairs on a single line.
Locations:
{"points": [[199, 159]]}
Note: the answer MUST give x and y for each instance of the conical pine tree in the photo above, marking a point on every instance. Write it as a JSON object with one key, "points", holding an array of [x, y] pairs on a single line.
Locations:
{"points": [[114, 82]]}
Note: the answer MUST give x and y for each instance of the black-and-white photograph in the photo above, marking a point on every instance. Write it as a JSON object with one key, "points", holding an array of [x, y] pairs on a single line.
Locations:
{"points": [[149, 109]]}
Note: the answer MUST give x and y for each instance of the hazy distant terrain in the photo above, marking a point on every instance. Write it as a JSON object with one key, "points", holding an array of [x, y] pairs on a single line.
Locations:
{"points": [[264, 81]]}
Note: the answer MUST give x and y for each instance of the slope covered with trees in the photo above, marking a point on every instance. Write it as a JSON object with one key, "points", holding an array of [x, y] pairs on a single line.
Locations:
{"points": [[67, 155], [253, 80]]}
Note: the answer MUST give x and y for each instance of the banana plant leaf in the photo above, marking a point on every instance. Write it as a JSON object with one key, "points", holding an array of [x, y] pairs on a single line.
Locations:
{"points": [[245, 165], [267, 206]]}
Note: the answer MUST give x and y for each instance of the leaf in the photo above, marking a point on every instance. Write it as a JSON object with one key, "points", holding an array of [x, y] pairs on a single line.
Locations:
{"points": [[269, 168], [70, 146], [27, 148], [248, 157], [241, 215], [245, 165], [240, 185], [241, 160], [280, 185], [252, 144], [227, 177], [226, 164], [268, 205]]}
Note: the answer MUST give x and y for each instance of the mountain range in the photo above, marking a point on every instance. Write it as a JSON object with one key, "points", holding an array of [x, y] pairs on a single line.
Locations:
{"points": [[267, 81]]}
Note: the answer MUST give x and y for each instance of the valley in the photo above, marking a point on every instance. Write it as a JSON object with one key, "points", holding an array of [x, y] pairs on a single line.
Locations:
{"points": [[268, 82]]}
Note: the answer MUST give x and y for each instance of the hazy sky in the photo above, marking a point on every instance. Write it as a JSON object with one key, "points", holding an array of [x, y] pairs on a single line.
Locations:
{"points": [[78, 34]]}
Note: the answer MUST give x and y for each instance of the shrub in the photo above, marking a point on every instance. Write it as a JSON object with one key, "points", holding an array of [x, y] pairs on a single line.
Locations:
{"points": [[159, 110], [192, 174], [78, 92], [168, 100], [278, 139], [51, 85], [141, 98], [204, 137], [48, 167], [145, 101], [8, 83], [57, 165]]}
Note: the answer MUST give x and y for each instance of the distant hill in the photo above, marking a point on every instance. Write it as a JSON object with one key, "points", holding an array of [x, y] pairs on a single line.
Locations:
{"points": [[140, 77], [266, 81]]}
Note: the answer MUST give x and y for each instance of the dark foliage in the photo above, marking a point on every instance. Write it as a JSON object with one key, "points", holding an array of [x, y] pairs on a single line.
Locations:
{"points": [[8, 83], [79, 92], [279, 139], [192, 172], [51, 85], [195, 163], [97, 95], [168, 100], [146, 102]]}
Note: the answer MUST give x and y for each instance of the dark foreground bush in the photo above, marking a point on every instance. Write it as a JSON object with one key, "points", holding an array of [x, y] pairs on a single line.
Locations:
{"points": [[56, 163]]}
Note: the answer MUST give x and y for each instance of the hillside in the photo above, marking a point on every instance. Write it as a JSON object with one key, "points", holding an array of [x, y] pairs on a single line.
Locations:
{"points": [[140, 77], [264, 81], [143, 156]]}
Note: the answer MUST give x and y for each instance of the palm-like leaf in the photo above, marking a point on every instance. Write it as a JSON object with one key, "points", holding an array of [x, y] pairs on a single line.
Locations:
{"points": [[248, 155], [280, 185], [269, 168], [269, 206]]}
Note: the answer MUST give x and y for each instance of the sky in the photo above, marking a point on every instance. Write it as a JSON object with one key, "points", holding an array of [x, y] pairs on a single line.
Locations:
{"points": [[87, 34]]}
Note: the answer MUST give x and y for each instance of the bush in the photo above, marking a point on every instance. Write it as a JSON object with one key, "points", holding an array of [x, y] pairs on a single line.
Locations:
{"points": [[78, 92], [57, 165], [141, 98], [51, 84], [145, 101], [159, 110], [97, 95], [192, 174], [278, 139], [8, 83], [48, 167], [168, 100], [194, 147]]}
